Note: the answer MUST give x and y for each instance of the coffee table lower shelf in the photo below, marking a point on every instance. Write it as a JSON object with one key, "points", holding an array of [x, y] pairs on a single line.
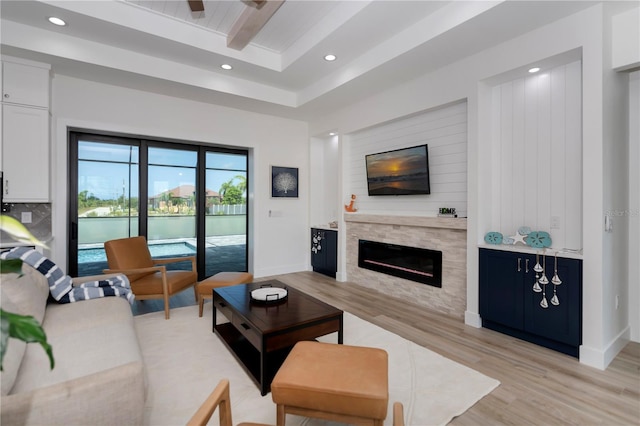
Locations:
{"points": [[250, 358]]}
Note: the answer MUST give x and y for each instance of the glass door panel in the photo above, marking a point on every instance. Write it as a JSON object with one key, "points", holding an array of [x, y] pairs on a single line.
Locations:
{"points": [[185, 199], [107, 200], [226, 212], [171, 224]]}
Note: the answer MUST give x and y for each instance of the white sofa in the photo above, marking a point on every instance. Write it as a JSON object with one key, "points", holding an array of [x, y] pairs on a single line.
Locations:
{"points": [[99, 376]]}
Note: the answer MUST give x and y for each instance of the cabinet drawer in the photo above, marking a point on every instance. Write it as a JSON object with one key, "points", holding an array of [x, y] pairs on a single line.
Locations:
{"points": [[246, 330], [224, 309]]}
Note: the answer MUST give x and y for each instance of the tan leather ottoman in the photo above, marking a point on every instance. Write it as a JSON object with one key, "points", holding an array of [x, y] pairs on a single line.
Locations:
{"points": [[349, 384], [204, 289]]}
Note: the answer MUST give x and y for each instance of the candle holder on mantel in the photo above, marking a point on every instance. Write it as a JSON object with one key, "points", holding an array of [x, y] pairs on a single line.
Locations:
{"points": [[541, 279]]}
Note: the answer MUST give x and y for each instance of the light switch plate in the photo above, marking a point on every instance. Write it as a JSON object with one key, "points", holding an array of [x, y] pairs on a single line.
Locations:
{"points": [[26, 217]]}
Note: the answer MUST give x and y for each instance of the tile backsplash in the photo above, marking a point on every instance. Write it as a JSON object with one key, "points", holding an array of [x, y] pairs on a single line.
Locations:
{"points": [[40, 225]]}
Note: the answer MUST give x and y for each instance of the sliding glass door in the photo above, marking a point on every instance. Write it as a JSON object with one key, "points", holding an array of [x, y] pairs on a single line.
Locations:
{"points": [[226, 212], [104, 204], [185, 199]]}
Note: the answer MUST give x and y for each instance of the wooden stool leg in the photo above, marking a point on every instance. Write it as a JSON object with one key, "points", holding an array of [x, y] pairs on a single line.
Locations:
{"points": [[280, 419], [200, 305]]}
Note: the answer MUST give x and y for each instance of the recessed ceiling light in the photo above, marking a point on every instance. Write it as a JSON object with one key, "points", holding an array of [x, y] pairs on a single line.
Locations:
{"points": [[332, 133], [226, 67], [57, 21], [534, 69], [330, 57]]}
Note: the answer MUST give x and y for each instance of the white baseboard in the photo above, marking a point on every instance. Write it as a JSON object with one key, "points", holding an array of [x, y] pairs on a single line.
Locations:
{"points": [[473, 319], [601, 359], [285, 269]]}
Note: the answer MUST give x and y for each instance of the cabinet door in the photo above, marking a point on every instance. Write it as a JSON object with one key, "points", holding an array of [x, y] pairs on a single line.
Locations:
{"points": [[501, 287], [331, 243], [324, 251], [25, 84], [560, 322], [25, 154], [318, 250]]}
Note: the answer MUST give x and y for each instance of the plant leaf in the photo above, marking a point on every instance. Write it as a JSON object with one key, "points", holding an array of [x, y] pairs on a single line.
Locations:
{"points": [[17, 230], [4, 340], [27, 329], [11, 266]]}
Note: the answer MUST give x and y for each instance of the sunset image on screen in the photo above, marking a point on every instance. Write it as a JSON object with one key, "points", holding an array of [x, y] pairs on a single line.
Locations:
{"points": [[398, 172]]}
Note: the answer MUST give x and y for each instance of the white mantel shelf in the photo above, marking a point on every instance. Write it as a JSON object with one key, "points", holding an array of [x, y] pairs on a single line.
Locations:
{"points": [[417, 221]]}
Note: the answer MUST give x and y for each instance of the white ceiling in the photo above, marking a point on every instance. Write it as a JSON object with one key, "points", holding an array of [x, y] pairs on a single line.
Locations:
{"points": [[162, 46]]}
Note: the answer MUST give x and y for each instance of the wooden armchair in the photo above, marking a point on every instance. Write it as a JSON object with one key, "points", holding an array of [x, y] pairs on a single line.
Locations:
{"points": [[221, 400], [149, 277]]}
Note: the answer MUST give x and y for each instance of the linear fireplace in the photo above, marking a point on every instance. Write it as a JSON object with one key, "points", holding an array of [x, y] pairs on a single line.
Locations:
{"points": [[412, 263]]}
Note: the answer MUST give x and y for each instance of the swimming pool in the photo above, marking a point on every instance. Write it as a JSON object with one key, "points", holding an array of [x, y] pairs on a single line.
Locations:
{"points": [[157, 250]]}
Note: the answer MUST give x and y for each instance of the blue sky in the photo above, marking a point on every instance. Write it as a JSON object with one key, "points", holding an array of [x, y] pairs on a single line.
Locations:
{"points": [[110, 171]]}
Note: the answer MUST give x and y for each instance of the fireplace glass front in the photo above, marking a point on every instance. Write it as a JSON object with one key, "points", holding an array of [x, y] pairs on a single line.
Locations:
{"points": [[412, 263]]}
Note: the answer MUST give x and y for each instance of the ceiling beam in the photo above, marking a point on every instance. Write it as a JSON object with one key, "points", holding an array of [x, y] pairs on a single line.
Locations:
{"points": [[250, 22]]}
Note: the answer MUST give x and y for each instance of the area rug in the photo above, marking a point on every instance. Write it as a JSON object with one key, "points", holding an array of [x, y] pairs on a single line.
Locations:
{"points": [[185, 361]]}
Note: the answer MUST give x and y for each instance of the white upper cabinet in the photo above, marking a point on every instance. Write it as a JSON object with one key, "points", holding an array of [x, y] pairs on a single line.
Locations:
{"points": [[25, 83], [25, 131], [25, 134]]}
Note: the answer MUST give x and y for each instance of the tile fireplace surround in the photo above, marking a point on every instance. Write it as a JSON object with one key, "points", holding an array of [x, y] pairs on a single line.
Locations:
{"points": [[447, 235]]}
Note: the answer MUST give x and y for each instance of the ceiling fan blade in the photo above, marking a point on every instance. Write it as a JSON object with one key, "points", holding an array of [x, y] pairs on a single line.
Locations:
{"points": [[196, 5]]}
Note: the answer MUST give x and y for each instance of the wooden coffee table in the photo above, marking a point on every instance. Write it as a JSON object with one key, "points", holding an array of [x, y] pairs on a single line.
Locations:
{"points": [[261, 335]]}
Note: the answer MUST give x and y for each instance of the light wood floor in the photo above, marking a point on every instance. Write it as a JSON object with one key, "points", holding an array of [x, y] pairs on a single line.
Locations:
{"points": [[538, 386]]}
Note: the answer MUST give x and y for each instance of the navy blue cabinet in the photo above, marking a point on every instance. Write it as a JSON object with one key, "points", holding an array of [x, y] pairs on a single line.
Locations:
{"points": [[509, 305], [324, 251]]}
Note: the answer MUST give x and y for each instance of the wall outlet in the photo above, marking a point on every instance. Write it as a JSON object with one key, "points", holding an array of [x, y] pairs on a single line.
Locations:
{"points": [[555, 222], [26, 217], [608, 224]]}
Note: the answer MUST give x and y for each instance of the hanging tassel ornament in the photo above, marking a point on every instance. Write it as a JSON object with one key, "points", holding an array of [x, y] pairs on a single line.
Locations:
{"points": [[556, 281], [537, 269], [544, 281]]}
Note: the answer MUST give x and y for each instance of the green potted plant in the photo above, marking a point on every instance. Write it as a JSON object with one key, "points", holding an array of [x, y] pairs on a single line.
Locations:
{"points": [[22, 327]]}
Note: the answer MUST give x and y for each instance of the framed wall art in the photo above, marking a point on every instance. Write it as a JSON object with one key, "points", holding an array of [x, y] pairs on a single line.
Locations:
{"points": [[284, 182]]}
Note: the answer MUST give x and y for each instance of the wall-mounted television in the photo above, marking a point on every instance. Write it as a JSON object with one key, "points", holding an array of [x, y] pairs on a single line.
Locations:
{"points": [[399, 172]]}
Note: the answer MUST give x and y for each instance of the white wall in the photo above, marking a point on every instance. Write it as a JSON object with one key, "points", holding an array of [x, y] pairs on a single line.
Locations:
{"points": [[626, 40], [583, 32], [324, 206], [445, 131], [536, 151], [615, 281], [278, 243], [634, 205]]}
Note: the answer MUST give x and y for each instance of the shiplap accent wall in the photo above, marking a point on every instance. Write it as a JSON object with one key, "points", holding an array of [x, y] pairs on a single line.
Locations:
{"points": [[445, 131], [537, 155]]}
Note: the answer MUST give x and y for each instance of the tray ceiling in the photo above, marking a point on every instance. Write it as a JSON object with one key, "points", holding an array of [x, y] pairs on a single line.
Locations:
{"points": [[162, 46]]}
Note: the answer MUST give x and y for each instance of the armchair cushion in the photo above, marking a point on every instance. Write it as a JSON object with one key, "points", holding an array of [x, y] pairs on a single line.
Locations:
{"points": [[176, 281]]}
